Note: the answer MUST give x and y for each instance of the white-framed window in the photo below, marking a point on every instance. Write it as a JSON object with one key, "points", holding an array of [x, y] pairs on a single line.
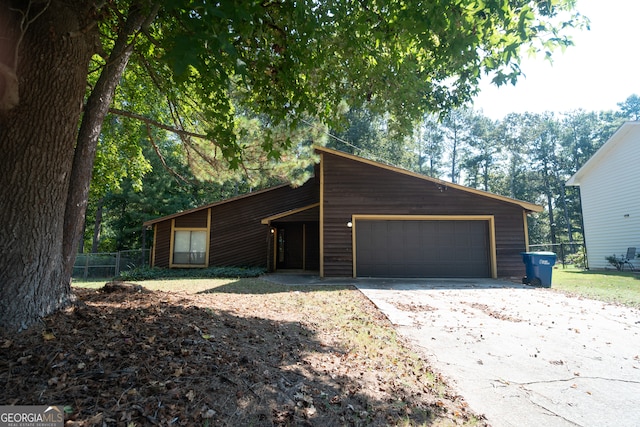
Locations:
{"points": [[189, 247]]}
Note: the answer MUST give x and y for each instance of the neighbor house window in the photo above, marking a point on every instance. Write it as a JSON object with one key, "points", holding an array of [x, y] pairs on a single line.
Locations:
{"points": [[190, 247]]}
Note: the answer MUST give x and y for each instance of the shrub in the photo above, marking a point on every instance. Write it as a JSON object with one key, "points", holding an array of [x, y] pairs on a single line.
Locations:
{"points": [[577, 259], [613, 261], [149, 273]]}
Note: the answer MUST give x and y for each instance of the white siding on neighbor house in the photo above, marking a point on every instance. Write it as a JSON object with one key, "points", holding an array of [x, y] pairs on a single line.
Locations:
{"points": [[610, 193]]}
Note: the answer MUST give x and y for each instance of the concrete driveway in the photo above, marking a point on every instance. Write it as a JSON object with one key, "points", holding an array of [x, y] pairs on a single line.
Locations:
{"points": [[519, 355]]}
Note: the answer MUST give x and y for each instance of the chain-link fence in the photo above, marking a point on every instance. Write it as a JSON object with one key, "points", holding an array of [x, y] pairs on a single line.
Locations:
{"points": [[573, 253], [108, 264]]}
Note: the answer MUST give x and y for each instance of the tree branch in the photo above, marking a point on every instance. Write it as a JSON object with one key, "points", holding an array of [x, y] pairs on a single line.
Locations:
{"points": [[161, 157], [24, 25], [157, 124], [9, 85], [178, 127]]}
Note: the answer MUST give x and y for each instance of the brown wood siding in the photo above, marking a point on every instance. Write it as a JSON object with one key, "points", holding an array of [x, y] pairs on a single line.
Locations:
{"points": [[162, 244], [237, 236], [352, 187], [510, 242], [196, 219]]}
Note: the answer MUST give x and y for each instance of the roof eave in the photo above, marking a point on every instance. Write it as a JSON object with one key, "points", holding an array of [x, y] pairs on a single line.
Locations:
{"points": [[210, 205], [618, 135], [269, 219]]}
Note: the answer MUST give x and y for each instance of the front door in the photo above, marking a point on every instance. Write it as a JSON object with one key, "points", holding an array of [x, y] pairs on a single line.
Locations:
{"points": [[289, 248]]}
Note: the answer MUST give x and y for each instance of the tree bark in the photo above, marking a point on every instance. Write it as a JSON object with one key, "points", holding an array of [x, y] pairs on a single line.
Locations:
{"points": [[46, 156], [37, 140]]}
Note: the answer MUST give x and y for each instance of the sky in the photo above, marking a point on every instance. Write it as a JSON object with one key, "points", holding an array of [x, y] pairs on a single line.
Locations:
{"points": [[601, 70]]}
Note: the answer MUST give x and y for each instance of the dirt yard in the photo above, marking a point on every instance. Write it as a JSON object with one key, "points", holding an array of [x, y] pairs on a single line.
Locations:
{"points": [[228, 356]]}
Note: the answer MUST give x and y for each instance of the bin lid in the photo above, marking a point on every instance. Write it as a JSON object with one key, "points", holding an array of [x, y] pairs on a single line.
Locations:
{"points": [[547, 253]]}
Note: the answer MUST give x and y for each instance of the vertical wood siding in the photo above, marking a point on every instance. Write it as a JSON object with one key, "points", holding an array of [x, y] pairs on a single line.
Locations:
{"points": [[197, 219], [237, 237], [162, 241], [352, 187]]}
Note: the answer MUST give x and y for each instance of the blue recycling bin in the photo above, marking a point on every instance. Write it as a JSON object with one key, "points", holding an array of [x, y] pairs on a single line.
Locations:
{"points": [[539, 268]]}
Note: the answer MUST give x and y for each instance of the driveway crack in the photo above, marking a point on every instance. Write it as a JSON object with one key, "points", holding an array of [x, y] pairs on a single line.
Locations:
{"points": [[552, 412], [577, 379]]}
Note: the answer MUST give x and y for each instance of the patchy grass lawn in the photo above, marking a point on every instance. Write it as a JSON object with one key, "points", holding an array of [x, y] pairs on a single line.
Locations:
{"points": [[225, 353], [620, 287], [182, 285]]}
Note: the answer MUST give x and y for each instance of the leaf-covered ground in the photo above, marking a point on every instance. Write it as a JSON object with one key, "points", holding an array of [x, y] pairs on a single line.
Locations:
{"points": [[234, 355]]}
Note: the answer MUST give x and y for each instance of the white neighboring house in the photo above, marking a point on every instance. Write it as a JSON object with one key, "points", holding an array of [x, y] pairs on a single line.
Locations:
{"points": [[610, 192]]}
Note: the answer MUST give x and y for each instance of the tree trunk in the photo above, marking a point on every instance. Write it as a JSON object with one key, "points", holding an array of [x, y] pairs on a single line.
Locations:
{"points": [[565, 209], [548, 191], [37, 140], [454, 153], [46, 156], [97, 226], [95, 111], [485, 171]]}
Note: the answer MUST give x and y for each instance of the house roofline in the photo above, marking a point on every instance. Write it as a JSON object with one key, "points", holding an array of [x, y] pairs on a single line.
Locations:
{"points": [[532, 207], [526, 205], [210, 205], [609, 145]]}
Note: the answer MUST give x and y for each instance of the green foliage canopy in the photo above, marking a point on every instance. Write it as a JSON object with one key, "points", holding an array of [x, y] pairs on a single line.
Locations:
{"points": [[293, 60]]}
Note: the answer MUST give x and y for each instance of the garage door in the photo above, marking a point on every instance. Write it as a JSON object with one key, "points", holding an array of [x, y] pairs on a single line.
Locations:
{"points": [[422, 248]]}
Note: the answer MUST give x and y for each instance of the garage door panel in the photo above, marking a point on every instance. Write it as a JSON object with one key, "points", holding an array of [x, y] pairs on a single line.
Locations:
{"points": [[422, 248], [430, 250]]}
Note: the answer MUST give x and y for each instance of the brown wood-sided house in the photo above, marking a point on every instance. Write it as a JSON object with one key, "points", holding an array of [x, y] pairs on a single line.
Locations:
{"points": [[355, 218]]}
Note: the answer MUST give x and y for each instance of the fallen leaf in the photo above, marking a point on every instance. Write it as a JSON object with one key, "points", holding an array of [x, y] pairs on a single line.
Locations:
{"points": [[48, 336]]}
